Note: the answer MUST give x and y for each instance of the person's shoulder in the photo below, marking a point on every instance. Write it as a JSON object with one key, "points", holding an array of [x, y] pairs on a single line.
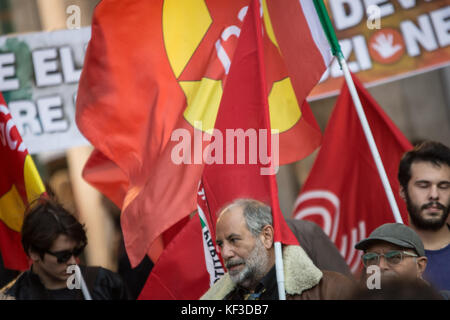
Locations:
{"points": [[103, 274], [6, 292], [332, 286], [337, 276], [103, 270], [305, 230], [105, 284], [339, 285], [10, 291]]}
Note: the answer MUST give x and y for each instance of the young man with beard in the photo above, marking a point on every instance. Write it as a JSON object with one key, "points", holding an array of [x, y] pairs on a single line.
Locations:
{"points": [[424, 176], [244, 235], [53, 239]]}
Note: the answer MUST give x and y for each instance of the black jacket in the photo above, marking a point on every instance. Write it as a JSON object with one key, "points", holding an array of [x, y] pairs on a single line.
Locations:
{"points": [[102, 284]]}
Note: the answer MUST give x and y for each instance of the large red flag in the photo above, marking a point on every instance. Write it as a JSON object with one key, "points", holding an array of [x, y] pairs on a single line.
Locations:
{"points": [[153, 68], [19, 184], [186, 267], [343, 192], [243, 125], [237, 156]]}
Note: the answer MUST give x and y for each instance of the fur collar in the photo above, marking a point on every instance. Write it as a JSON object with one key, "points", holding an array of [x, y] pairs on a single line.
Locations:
{"points": [[299, 272]]}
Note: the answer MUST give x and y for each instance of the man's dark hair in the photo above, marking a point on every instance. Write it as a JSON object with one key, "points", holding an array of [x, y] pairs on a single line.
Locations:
{"points": [[44, 221], [428, 151]]}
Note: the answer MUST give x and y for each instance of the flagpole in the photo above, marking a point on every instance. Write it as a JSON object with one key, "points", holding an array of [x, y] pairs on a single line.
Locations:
{"points": [[336, 50], [279, 268], [80, 279], [370, 140]]}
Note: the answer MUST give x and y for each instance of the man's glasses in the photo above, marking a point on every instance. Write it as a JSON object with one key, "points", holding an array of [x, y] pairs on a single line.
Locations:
{"points": [[391, 257], [65, 255]]}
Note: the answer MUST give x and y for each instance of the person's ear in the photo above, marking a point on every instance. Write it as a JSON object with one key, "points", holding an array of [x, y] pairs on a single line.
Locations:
{"points": [[421, 265], [35, 256], [402, 193], [267, 236]]}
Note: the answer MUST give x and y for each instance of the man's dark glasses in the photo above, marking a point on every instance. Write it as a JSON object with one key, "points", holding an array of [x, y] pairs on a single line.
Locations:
{"points": [[65, 255]]}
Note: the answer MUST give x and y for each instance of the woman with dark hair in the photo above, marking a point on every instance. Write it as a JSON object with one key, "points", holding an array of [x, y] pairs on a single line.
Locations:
{"points": [[53, 239]]}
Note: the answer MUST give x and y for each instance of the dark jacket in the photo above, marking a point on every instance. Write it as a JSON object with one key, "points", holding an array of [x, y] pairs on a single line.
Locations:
{"points": [[318, 246], [102, 284], [303, 280]]}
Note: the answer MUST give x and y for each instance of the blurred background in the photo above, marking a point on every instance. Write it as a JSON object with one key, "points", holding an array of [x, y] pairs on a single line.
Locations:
{"points": [[418, 104]]}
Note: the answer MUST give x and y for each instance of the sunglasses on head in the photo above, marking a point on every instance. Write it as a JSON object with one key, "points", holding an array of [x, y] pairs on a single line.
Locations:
{"points": [[64, 255]]}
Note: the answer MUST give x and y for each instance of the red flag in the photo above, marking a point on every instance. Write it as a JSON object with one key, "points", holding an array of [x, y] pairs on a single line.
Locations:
{"points": [[244, 113], [138, 87], [19, 184], [197, 266], [229, 173], [343, 192]]}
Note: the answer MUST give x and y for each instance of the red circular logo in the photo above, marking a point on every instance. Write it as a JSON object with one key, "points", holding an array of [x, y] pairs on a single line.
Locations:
{"points": [[386, 46]]}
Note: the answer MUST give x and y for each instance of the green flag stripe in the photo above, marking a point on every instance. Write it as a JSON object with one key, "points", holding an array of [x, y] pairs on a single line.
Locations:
{"points": [[201, 221], [327, 27]]}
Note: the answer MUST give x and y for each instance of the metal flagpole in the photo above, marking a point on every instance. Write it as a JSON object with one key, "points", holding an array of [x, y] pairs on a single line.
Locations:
{"points": [[84, 289], [279, 267], [331, 36], [370, 139]]}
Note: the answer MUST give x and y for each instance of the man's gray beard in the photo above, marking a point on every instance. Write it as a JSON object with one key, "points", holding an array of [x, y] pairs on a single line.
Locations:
{"points": [[255, 266]]}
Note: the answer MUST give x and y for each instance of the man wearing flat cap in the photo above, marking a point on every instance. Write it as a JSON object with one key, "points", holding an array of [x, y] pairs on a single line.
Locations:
{"points": [[396, 249], [399, 253]]}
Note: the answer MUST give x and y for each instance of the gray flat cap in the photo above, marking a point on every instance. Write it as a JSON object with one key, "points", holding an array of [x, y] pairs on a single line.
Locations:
{"points": [[395, 233]]}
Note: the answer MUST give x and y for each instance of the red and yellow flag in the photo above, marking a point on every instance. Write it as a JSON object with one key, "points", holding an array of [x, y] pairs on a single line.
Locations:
{"points": [[153, 68], [19, 185]]}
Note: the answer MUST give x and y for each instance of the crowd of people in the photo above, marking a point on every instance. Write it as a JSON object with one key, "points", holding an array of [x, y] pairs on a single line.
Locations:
{"points": [[399, 261]]}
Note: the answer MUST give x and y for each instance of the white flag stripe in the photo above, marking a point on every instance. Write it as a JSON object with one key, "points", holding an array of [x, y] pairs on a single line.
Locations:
{"points": [[212, 262], [316, 29]]}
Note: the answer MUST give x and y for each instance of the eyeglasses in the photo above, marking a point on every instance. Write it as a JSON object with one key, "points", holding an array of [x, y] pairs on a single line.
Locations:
{"points": [[391, 257], [65, 255]]}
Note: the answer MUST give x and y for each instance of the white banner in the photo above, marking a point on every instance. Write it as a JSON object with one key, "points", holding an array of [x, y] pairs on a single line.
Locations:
{"points": [[39, 74]]}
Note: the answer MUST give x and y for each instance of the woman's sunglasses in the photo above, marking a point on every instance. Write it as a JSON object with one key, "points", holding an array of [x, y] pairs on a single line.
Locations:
{"points": [[65, 255]]}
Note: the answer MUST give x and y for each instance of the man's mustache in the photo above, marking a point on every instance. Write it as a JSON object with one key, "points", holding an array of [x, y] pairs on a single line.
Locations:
{"points": [[435, 204], [232, 263]]}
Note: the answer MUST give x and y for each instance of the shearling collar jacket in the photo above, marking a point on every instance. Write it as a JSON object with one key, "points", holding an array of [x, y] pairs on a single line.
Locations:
{"points": [[303, 280]]}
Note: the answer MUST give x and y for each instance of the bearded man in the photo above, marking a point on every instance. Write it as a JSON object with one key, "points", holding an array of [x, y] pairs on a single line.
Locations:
{"points": [[244, 235], [424, 176]]}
